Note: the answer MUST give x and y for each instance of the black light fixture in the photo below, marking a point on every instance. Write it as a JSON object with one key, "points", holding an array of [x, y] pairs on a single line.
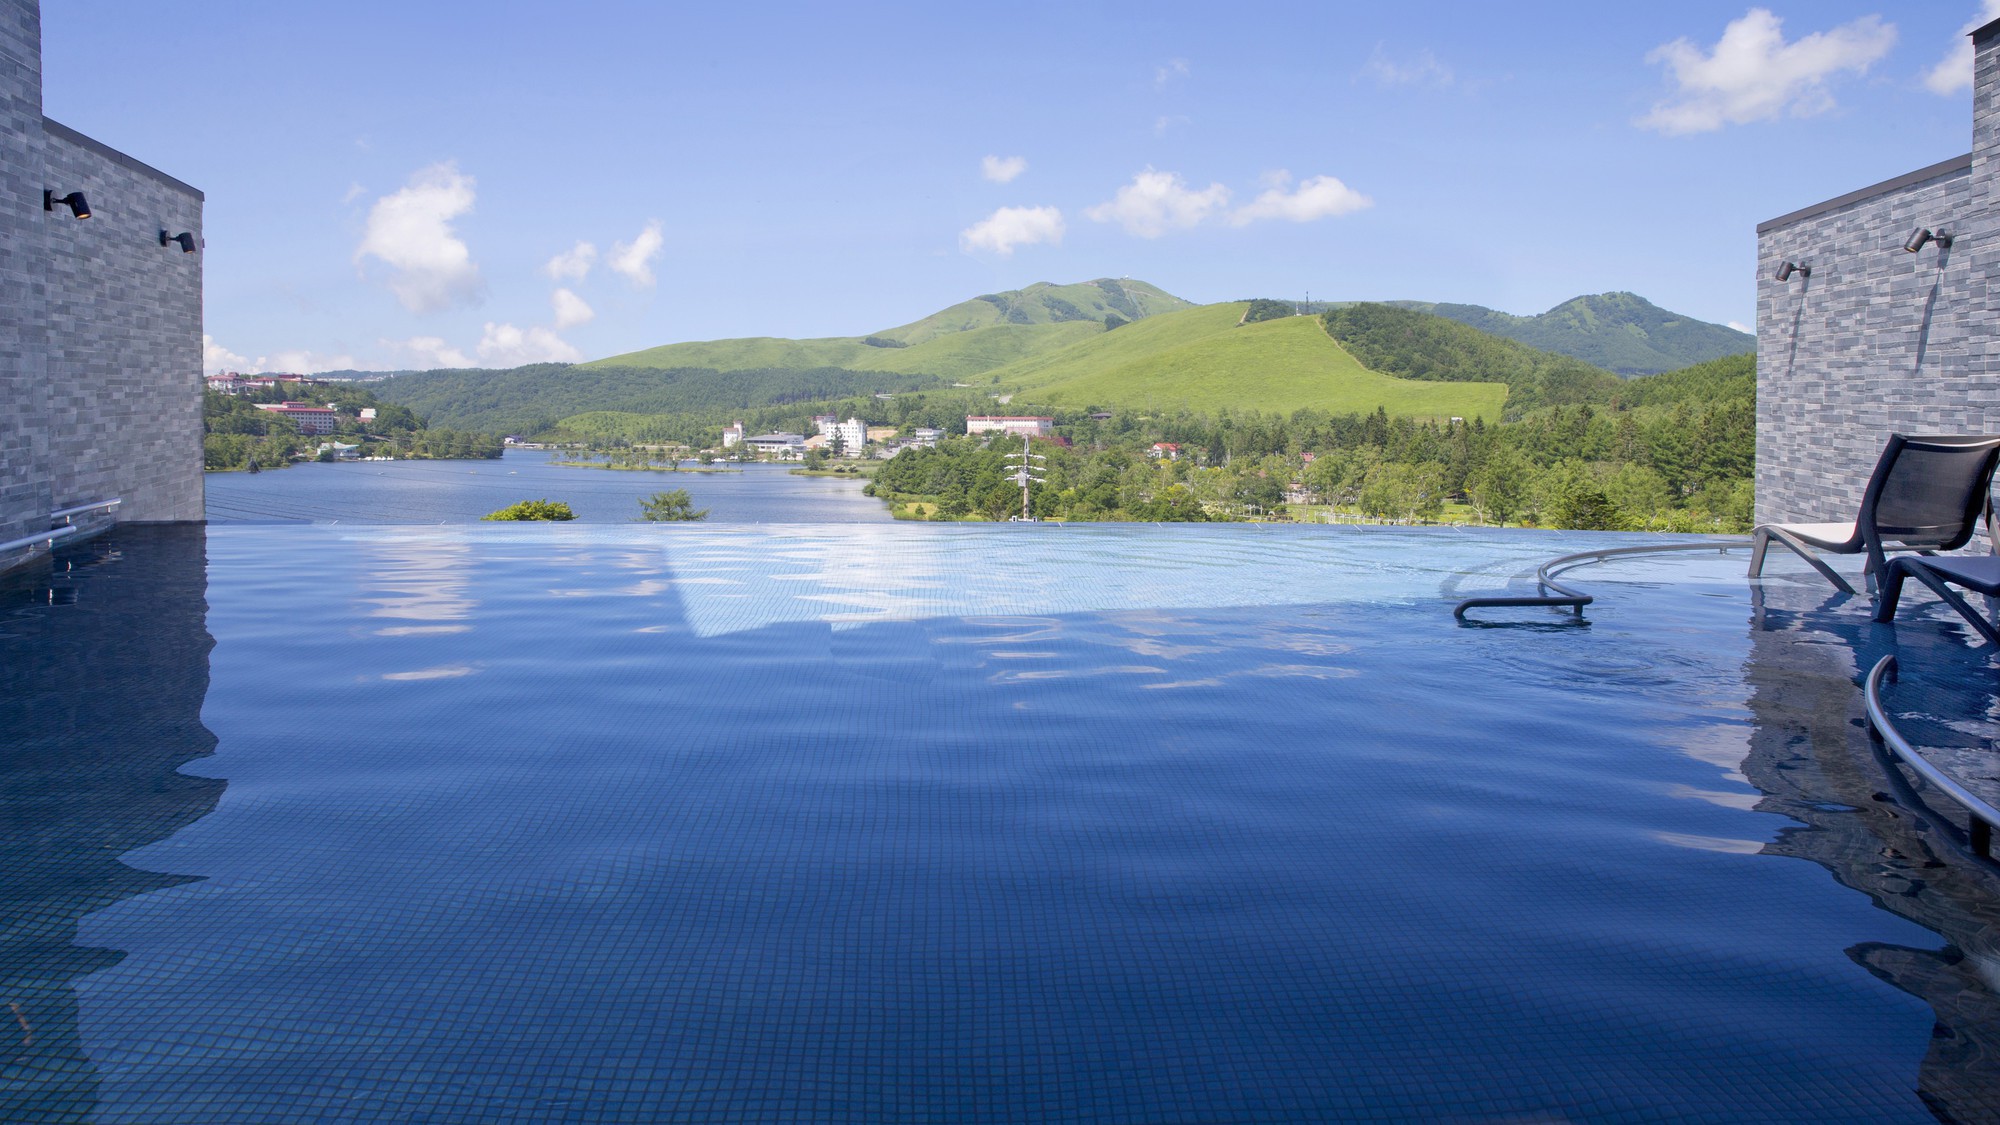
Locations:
{"points": [[1786, 271], [184, 238], [77, 204], [1922, 235]]}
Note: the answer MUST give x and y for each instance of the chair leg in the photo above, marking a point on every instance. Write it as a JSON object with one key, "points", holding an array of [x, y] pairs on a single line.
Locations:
{"points": [[1804, 552], [1945, 594], [1759, 542], [1890, 593]]}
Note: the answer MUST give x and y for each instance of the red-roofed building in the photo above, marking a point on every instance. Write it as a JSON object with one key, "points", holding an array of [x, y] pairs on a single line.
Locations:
{"points": [[1168, 449], [311, 419]]}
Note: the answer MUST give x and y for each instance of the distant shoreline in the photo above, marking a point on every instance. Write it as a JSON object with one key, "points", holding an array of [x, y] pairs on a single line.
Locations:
{"points": [[639, 468]]}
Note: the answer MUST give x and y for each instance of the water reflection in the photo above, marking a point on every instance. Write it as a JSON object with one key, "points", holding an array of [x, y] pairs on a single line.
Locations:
{"points": [[1862, 820], [101, 691]]}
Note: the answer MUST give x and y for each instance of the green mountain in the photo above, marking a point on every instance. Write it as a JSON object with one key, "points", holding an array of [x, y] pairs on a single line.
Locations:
{"points": [[1411, 344], [1621, 332], [967, 339], [1206, 358]]}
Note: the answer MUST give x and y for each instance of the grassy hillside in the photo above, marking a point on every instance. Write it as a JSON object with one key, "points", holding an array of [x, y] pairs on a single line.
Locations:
{"points": [[1202, 359], [1621, 332], [967, 339], [1101, 301]]}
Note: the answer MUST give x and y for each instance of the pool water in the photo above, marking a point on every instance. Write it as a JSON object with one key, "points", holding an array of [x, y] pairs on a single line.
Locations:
{"points": [[918, 823]]}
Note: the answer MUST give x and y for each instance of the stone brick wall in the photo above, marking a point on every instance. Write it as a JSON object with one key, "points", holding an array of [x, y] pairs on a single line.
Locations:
{"points": [[24, 485], [100, 326], [124, 337], [1874, 340]]}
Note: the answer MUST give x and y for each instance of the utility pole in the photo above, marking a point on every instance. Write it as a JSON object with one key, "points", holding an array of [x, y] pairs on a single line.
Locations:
{"points": [[1026, 473]]}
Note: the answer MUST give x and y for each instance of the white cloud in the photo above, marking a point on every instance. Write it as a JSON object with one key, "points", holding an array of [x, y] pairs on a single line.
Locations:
{"points": [[1155, 202], [431, 351], [1003, 169], [1954, 72], [1009, 227], [1422, 69], [411, 232], [570, 309], [1165, 122], [1741, 327], [1168, 71], [1754, 75], [503, 345], [635, 259], [354, 191], [1318, 198], [572, 264], [216, 359], [302, 362]]}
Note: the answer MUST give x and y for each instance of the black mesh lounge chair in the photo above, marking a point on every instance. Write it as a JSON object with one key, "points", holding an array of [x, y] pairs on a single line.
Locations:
{"points": [[1974, 572], [1926, 494]]}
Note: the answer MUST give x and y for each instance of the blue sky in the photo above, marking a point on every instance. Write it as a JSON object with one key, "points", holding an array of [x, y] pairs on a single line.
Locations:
{"points": [[408, 184]]}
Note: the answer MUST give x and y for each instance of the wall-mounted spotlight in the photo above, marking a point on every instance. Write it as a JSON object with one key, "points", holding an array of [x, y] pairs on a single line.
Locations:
{"points": [[185, 240], [77, 204], [1786, 271], [1922, 235]]}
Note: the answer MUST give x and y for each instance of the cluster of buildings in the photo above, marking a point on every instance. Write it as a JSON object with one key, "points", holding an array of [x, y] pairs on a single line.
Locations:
{"points": [[232, 383], [852, 438]]}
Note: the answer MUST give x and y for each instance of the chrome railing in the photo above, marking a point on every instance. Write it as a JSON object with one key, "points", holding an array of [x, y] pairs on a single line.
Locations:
{"points": [[70, 514], [64, 530], [1983, 816], [1545, 574]]}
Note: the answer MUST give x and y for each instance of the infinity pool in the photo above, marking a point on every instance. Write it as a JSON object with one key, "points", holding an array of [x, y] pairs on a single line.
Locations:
{"points": [[922, 823]]}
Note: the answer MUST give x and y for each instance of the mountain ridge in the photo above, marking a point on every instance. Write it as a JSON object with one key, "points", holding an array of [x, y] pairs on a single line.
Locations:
{"points": [[1619, 331]]}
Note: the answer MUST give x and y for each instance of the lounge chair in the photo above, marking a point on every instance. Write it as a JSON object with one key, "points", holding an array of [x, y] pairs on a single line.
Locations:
{"points": [[1980, 573], [1927, 494]]}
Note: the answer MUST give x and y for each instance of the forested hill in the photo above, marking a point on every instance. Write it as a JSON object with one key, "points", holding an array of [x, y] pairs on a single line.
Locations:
{"points": [[1410, 344], [1621, 332], [528, 400]]}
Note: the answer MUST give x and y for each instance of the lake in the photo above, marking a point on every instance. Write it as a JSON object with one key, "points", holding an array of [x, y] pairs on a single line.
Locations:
{"points": [[430, 492]]}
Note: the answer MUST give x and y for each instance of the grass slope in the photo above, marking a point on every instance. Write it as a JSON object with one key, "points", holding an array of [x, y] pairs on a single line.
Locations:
{"points": [[1201, 359], [967, 339], [959, 355], [1044, 303]]}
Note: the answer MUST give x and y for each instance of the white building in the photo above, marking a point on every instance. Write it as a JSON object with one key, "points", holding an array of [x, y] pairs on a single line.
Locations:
{"points": [[1016, 424], [732, 435], [926, 436], [853, 436], [780, 444]]}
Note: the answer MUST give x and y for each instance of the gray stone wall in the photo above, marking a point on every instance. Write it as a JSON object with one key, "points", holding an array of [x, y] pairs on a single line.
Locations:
{"points": [[100, 326], [124, 337], [1874, 340], [24, 485]]}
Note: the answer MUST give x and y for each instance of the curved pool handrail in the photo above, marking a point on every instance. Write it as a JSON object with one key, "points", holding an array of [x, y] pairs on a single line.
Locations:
{"points": [[1545, 574], [1984, 816]]}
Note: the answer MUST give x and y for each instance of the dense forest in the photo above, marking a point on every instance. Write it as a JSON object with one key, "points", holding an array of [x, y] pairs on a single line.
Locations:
{"points": [[237, 435], [1670, 452], [533, 399]]}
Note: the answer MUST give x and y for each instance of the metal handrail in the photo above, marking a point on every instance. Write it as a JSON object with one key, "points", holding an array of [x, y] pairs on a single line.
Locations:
{"points": [[1545, 579], [80, 509], [1984, 816], [49, 536]]}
